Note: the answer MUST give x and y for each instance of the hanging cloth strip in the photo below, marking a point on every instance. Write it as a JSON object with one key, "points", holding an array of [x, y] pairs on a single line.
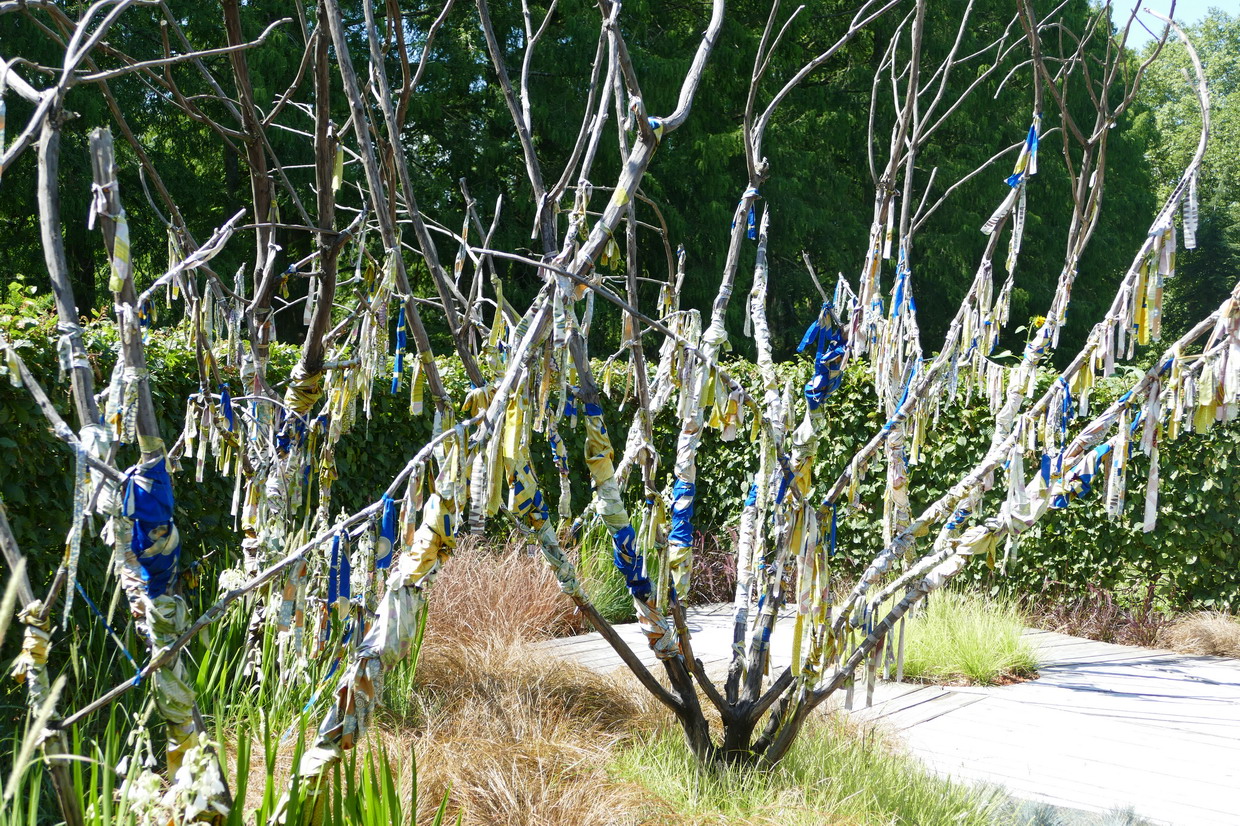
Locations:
{"points": [[3, 86], [148, 501], [30, 665], [227, 407], [1190, 213], [1026, 166], [121, 267], [628, 559], [73, 545], [652, 537], [1027, 160], [559, 454], [745, 566], [385, 545], [339, 572], [831, 352], [401, 343], [890, 232]]}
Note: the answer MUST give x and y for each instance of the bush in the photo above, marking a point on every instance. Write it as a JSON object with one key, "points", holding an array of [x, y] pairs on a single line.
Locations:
{"points": [[498, 592], [1127, 618], [966, 638]]}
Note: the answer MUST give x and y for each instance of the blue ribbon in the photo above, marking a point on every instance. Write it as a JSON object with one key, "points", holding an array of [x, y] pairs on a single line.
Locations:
{"points": [[226, 405], [784, 481], [149, 502], [346, 570], [1081, 485], [682, 513], [1067, 409], [401, 342], [286, 435], [897, 302], [1031, 147], [137, 677], [387, 530], [834, 519], [338, 574], [809, 336], [958, 518], [828, 359], [751, 220], [629, 563]]}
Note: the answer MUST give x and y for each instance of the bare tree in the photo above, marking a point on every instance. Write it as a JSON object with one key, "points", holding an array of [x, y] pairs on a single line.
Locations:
{"points": [[530, 368]]}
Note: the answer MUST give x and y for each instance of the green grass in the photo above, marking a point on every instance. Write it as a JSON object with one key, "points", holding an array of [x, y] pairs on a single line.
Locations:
{"points": [[966, 638], [602, 582], [834, 774], [256, 720]]}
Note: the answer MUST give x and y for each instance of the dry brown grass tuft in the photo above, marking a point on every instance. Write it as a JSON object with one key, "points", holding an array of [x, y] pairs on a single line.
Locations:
{"points": [[509, 733], [510, 730], [487, 591], [1204, 632], [514, 736]]}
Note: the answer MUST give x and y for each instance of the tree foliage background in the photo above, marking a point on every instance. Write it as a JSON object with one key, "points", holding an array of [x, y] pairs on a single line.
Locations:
{"points": [[1202, 274], [459, 129]]}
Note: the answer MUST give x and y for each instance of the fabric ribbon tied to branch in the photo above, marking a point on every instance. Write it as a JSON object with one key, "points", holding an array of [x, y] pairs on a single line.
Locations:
{"points": [[148, 501]]}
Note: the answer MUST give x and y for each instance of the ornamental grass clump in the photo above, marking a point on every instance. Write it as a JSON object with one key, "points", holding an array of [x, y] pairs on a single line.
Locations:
{"points": [[492, 590], [599, 576], [1204, 632], [516, 737], [503, 732], [963, 638]]}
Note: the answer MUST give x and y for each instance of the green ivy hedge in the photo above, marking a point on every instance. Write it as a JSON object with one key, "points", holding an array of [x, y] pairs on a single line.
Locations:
{"points": [[1193, 556]]}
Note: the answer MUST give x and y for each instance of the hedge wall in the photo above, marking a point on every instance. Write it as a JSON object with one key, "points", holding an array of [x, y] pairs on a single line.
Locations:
{"points": [[1193, 555]]}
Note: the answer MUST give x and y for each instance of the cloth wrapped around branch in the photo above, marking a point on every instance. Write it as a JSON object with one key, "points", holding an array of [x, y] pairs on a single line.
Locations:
{"points": [[391, 636], [628, 559]]}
